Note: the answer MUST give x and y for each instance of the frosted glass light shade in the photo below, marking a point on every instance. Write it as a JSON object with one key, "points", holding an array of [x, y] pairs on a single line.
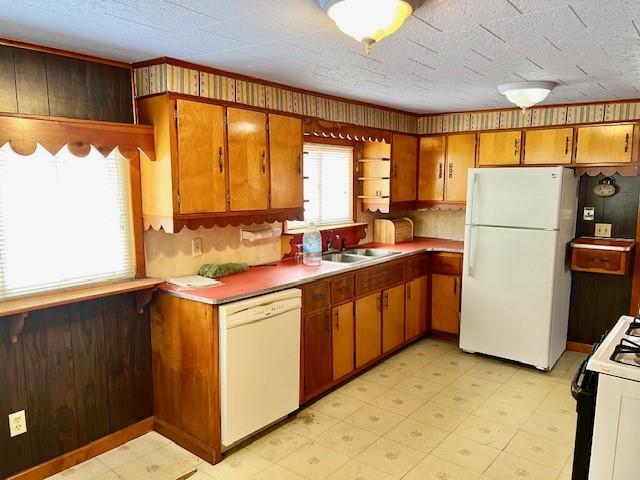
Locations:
{"points": [[368, 21], [526, 94]]}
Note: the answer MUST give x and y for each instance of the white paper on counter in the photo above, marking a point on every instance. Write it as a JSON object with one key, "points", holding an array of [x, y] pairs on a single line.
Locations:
{"points": [[193, 281]]}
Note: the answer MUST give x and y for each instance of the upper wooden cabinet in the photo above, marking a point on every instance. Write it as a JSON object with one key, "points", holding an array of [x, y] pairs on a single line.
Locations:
{"points": [[431, 168], [444, 163], [461, 156], [605, 144], [499, 148], [404, 168], [248, 160], [549, 146], [201, 157], [285, 159], [207, 173]]}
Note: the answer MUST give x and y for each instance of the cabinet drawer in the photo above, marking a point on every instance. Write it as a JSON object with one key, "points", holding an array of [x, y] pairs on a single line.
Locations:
{"points": [[341, 289], [316, 296], [600, 261], [446, 263], [416, 267], [378, 278]]}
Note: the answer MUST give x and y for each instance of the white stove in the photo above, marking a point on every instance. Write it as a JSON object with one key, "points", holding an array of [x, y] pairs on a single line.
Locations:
{"points": [[619, 352], [615, 448]]}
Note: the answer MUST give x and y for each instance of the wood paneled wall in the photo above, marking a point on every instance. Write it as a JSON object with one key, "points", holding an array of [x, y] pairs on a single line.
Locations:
{"points": [[598, 300], [80, 371], [38, 83]]}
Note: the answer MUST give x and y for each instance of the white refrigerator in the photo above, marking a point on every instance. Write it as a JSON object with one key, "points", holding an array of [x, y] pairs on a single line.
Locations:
{"points": [[516, 272]]}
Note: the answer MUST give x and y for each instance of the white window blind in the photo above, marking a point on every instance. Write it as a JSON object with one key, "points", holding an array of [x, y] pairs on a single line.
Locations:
{"points": [[65, 221], [328, 185]]}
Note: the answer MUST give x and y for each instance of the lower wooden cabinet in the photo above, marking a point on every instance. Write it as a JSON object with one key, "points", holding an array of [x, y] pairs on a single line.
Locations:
{"points": [[317, 352], [368, 328], [416, 302], [343, 335], [392, 318], [445, 303]]}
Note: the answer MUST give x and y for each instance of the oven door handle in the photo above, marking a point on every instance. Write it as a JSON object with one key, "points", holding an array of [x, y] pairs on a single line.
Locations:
{"points": [[576, 389]]}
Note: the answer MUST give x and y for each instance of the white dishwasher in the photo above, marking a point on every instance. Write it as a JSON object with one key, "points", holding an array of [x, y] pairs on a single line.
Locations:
{"points": [[259, 362]]}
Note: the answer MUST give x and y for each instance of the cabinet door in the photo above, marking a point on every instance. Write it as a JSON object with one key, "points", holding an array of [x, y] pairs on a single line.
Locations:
{"points": [[392, 318], [416, 308], [445, 303], [248, 162], [368, 328], [431, 168], [343, 340], [404, 167], [461, 156], [553, 146], [285, 160], [201, 159], [605, 144], [500, 148], [317, 352]]}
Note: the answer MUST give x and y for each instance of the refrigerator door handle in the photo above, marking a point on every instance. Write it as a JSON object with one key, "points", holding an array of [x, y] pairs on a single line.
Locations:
{"points": [[472, 196], [471, 255]]}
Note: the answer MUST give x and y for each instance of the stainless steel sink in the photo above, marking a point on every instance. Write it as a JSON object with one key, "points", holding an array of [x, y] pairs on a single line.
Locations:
{"points": [[370, 252], [344, 258]]}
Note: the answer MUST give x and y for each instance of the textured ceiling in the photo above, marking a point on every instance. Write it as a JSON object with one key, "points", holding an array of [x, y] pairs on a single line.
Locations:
{"points": [[449, 56]]}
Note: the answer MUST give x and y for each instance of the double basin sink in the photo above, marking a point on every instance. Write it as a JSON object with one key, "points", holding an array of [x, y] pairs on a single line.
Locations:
{"points": [[357, 255]]}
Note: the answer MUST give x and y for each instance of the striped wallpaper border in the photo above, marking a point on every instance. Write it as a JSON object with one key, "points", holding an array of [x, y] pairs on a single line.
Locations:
{"points": [[166, 77]]}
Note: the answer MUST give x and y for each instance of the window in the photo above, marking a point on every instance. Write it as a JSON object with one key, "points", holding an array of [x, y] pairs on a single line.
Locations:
{"points": [[64, 220], [328, 185]]}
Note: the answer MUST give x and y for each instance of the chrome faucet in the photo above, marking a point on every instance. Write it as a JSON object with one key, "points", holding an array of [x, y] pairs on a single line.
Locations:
{"points": [[332, 239]]}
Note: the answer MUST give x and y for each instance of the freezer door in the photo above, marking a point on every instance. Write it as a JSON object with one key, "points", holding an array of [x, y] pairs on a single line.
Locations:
{"points": [[507, 293], [527, 197]]}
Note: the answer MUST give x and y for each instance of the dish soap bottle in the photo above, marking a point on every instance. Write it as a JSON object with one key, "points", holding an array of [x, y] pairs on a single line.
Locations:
{"points": [[312, 246]]}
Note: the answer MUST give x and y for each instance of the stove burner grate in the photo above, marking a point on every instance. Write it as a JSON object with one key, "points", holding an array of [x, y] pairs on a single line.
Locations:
{"points": [[627, 352]]}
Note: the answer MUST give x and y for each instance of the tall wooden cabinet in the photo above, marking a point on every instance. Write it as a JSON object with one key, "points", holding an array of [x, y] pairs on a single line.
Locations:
{"points": [[285, 161], [404, 168], [201, 157], [431, 167], [248, 160], [213, 165]]}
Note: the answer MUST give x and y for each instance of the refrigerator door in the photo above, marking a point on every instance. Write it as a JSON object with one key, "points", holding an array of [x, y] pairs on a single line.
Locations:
{"points": [[525, 197], [507, 293]]}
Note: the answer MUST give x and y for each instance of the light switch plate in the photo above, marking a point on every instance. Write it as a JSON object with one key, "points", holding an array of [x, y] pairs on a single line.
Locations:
{"points": [[603, 230], [589, 213]]}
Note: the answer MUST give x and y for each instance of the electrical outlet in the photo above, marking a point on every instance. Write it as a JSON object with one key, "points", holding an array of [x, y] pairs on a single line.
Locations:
{"points": [[589, 214], [17, 423], [603, 230], [196, 247]]}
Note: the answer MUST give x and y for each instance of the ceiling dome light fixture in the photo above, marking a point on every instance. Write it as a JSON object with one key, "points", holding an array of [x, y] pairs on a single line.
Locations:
{"points": [[368, 21], [526, 94]]}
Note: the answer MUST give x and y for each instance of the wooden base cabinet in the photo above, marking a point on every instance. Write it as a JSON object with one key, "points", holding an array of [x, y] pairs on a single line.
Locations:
{"points": [[445, 303], [343, 340], [392, 318], [368, 328], [416, 313], [317, 352]]}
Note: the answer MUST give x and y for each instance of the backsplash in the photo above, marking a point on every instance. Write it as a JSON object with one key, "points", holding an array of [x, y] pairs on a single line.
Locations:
{"points": [[445, 224], [168, 255]]}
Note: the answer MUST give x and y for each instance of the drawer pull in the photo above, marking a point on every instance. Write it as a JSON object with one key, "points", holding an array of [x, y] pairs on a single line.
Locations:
{"points": [[626, 143]]}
